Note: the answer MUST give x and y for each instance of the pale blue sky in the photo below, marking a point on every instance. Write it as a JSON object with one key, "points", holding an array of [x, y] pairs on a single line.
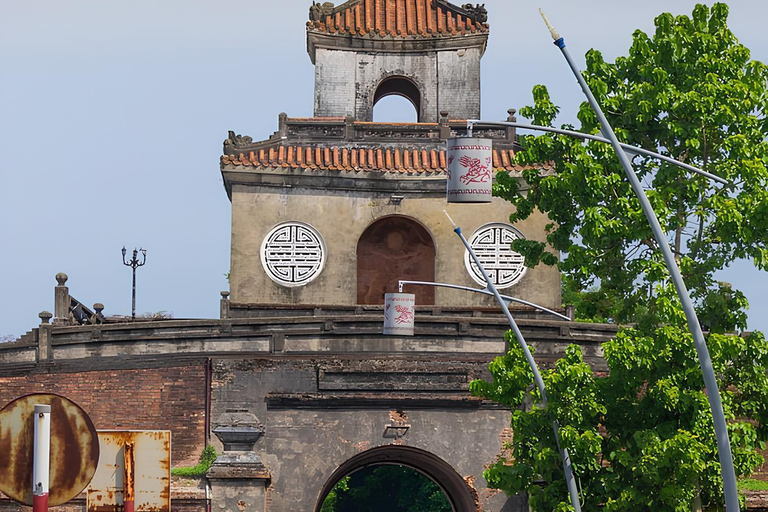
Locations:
{"points": [[112, 116]]}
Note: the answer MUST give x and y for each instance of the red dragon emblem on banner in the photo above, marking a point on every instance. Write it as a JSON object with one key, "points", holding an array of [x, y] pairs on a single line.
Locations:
{"points": [[405, 314], [477, 172]]}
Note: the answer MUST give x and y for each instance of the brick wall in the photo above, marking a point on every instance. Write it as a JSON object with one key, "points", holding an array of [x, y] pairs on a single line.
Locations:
{"points": [[168, 398]]}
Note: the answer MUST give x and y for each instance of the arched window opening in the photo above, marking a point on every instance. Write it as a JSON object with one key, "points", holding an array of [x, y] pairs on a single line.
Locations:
{"points": [[386, 477], [392, 249], [395, 109], [394, 91]]}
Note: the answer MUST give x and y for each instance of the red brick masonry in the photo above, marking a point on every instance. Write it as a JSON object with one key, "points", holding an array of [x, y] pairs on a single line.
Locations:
{"points": [[170, 398]]}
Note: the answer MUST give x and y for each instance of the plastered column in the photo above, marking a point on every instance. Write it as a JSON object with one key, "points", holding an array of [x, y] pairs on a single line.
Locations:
{"points": [[238, 478], [61, 300]]}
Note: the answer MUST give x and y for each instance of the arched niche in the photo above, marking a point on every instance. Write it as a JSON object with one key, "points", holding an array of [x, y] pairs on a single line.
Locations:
{"points": [[392, 249], [399, 86], [457, 491]]}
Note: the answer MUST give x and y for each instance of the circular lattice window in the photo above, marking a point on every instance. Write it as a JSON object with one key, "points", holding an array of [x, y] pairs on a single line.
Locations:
{"points": [[293, 254], [491, 242]]}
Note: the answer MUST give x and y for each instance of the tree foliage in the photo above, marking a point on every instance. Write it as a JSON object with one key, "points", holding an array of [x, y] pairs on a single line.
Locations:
{"points": [[641, 436], [386, 488], [689, 91]]}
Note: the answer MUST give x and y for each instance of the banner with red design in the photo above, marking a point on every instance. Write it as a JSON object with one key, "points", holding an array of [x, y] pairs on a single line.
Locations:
{"points": [[470, 170]]}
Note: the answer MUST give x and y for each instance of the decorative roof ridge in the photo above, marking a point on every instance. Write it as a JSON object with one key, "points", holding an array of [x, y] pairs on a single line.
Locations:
{"points": [[310, 157], [320, 10], [373, 123], [397, 18], [317, 119]]}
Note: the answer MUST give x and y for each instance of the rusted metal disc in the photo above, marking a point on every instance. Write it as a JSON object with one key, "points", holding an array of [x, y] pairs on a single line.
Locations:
{"points": [[74, 448]]}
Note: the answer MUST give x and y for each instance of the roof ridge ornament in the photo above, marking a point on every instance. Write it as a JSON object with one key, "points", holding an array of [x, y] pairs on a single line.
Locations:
{"points": [[318, 11], [237, 140], [477, 13]]}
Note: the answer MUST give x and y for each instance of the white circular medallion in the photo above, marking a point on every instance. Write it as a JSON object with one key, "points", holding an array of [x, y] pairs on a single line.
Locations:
{"points": [[293, 254], [491, 242]]}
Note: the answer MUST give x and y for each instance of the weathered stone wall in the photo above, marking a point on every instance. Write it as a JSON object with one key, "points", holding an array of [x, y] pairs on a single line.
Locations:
{"points": [[345, 81], [325, 382], [459, 74], [335, 75], [319, 414], [341, 216], [372, 69], [172, 398]]}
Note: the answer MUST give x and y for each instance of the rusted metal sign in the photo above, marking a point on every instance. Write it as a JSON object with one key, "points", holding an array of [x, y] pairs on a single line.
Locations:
{"points": [[134, 464], [74, 448]]}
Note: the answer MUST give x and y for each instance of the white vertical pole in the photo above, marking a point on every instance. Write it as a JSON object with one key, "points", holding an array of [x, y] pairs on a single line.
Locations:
{"points": [[41, 466]]}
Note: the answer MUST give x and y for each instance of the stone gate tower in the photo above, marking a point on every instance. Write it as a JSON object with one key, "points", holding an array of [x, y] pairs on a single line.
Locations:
{"points": [[428, 52], [335, 209], [328, 214]]}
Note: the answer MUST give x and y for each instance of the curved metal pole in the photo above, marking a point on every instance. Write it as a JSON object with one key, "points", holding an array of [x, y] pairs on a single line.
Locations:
{"points": [[506, 298], [570, 481], [710, 382], [587, 136]]}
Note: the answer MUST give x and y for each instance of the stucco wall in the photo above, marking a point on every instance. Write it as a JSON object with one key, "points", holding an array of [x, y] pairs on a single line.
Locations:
{"points": [[304, 445], [372, 69], [341, 217], [345, 81], [335, 75], [458, 72]]}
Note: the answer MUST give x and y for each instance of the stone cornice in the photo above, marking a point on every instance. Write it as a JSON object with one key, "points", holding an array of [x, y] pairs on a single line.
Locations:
{"points": [[389, 44], [342, 332]]}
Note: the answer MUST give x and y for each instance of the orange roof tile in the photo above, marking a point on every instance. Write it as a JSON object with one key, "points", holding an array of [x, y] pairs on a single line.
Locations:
{"points": [[396, 18], [363, 159]]}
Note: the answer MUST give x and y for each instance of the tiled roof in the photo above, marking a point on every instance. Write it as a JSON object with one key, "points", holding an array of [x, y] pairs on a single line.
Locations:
{"points": [[397, 18], [409, 161]]}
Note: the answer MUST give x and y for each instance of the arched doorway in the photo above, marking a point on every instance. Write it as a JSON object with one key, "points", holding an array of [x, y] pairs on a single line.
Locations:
{"points": [[459, 495], [392, 249], [400, 86]]}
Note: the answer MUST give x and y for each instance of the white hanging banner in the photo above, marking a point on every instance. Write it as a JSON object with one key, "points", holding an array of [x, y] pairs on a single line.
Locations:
{"points": [[399, 309], [470, 170]]}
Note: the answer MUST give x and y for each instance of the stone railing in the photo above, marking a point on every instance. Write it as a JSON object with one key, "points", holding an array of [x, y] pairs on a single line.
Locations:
{"points": [[340, 130], [275, 330], [298, 331]]}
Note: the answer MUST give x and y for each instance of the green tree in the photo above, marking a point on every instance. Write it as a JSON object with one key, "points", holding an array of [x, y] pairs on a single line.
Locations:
{"points": [[386, 488], [689, 91], [641, 437], [593, 304]]}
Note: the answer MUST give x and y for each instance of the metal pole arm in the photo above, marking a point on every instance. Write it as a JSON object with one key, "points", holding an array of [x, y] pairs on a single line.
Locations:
{"points": [[507, 298], [587, 136]]}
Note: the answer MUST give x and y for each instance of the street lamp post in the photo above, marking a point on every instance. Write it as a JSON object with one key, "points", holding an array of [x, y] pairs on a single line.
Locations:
{"points": [[503, 301], [134, 263], [570, 481]]}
